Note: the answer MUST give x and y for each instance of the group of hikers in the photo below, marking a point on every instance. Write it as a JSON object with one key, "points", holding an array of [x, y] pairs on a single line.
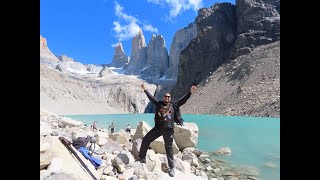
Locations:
{"points": [[167, 113], [112, 127]]}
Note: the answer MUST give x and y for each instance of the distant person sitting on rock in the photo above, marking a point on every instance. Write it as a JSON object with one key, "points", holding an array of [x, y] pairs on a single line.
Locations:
{"points": [[94, 125], [128, 129], [112, 127], [165, 114]]}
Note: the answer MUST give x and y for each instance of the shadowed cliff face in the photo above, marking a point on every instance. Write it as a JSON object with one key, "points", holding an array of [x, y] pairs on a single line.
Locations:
{"points": [[246, 86], [216, 27], [258, 23], [228, 34]]}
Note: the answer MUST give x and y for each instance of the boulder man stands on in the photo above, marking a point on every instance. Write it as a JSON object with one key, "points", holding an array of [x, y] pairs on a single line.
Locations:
{"points": [[164, 124]]}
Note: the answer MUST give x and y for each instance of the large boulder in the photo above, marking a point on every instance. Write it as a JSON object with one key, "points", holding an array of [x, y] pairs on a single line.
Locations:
{"points": [[180, 165], [140, 169], [159, 147], [158, 144], [186, 136], [136, 147], [152, 161], [142, 129], [120, 137]]}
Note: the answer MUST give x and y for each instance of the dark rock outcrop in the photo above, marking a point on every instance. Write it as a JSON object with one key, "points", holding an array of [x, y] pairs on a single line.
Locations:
{"points": [[216, 28], [225, 32], [258, 23]]}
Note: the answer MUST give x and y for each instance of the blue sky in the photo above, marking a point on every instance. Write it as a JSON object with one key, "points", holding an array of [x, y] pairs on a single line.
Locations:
{"points": [[87, 30]]}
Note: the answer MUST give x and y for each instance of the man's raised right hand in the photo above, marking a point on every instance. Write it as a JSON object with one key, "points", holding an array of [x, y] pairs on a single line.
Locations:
{"points": [[143, 87]]}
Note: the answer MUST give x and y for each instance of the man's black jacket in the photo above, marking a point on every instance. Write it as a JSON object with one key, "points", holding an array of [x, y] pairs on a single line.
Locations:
{"points": [[174, 108]]}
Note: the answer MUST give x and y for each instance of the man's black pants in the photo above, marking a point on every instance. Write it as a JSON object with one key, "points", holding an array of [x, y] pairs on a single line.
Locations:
{"points": [[155, 132]]}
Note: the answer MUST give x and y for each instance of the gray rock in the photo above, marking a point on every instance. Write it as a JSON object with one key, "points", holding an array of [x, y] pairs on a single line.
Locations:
{"points": [[54, 133], [93, 68], [197, 152], [140, 169], [64, 58], [136, 147], [223, 150], [124, 158], [134, 177], [45, 159]]}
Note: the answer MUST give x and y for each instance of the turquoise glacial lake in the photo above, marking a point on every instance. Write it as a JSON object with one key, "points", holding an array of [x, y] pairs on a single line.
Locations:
{"points": [[254, 141]]}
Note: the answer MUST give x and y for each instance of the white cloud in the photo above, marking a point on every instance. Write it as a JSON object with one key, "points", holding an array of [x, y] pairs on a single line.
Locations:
{"points": [[119, 12], [117, 28], [177, 6], [150, 28], [130, 26], [156, 1], [126, 32]]}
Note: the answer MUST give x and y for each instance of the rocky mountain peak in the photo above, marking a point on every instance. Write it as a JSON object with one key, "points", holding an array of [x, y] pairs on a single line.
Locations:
{"points": [[118, 50], [157, 58], [138, 54], [119, 57], [138, 42]]}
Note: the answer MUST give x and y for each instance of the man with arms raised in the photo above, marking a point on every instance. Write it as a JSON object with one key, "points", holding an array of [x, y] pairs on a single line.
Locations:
{"points": [[165, 112]]}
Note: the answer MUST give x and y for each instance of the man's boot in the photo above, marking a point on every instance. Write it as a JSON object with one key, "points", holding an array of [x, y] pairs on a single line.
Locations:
{"points": [[171, 172]]}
